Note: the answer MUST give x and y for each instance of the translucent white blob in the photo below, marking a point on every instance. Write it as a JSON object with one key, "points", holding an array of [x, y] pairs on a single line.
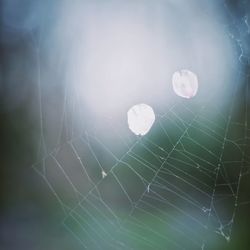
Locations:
{"points": [[141, 117], [185, 83]]}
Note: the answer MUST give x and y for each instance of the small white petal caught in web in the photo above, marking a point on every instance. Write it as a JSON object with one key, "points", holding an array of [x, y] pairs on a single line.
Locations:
{"points": [[185, 83], [104, 174], [141, 117]]}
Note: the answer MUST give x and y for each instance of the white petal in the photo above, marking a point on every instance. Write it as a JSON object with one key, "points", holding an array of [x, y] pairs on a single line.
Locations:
{"points": [[141, 117], [185, 83], [104, 174]]}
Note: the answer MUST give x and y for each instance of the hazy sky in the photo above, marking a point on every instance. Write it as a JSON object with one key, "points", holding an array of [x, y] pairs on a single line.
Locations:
{"points": [[69, 73]]}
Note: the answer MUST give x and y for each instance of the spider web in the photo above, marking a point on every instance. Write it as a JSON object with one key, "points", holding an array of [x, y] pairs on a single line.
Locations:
{"points": [[178, 187]]}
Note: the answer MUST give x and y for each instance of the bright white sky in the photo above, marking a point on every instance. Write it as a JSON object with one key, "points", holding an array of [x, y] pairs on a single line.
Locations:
{"points": [[121, 53]]}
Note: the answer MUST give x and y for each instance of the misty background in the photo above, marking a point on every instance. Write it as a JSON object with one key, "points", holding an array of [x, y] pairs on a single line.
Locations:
{"points": [[72, 69]]}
